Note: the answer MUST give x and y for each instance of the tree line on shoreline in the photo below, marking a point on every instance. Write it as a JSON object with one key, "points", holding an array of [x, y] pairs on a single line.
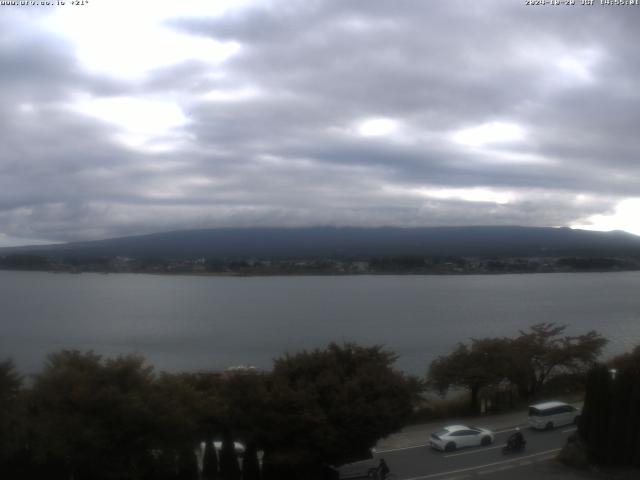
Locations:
{"points": [[327, 265], [89, 417]]}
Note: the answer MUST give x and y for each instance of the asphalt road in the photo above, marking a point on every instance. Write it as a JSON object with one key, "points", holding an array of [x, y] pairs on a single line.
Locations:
{"points": [[420, 462]]}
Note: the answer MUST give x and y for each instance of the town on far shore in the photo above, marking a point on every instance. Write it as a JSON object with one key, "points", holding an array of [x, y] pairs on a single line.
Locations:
{"points": [[321, 265]]}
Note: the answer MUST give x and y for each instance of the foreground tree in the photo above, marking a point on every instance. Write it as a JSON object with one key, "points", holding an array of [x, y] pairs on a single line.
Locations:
{"points": [[187, 464], [544, 351], [92, 417], [482, 364], [527, 361], [176, 405], [12, 420], [331, 406], [627, 361], [245, 396], [610, 422]]}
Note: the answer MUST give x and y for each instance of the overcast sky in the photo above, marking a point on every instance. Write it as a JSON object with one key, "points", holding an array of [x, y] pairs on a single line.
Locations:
{"points": [[128, 117]]}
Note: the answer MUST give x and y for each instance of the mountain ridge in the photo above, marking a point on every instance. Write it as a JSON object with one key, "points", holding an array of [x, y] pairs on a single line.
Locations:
{"points": [[351, 242]]}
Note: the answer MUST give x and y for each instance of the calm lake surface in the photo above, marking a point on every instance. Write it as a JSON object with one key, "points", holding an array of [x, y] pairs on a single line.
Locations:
{"points": [[192, 323]]}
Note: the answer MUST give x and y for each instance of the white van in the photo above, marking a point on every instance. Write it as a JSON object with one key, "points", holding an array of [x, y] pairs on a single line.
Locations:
{"points": [[548, 415]]}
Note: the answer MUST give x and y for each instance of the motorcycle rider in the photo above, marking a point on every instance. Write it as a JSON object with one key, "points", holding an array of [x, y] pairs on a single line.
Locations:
{"points": [[383, 469], [516, 440]]}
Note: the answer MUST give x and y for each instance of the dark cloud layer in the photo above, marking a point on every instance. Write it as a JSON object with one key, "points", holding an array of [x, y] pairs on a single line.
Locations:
{"points": [[275, 135]]}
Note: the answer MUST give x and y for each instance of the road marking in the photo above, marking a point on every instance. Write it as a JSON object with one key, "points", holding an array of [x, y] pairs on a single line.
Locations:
{"points": [[478, 467], [477, 450], [570, 430], [401, 448]]}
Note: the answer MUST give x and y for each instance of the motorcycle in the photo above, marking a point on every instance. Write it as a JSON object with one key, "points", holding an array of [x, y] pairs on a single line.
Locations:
{"points": [[514, 447]]}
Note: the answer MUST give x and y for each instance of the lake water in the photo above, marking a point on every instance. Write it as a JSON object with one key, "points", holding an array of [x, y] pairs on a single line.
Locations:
{"points": [[191, 323]]}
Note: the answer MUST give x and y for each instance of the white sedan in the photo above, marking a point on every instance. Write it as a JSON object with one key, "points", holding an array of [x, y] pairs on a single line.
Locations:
{"points": [[458, 436]]}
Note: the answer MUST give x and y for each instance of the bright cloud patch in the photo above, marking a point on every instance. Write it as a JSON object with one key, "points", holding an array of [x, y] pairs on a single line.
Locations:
{"points": [[469, 194], [489, 133], [625, 217], [377, 127], [139, 121], [8, 241], [579, 66], [128, 39]]}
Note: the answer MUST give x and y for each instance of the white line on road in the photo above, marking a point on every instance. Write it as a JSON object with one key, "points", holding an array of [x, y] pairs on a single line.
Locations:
{"points": [[478, 467], [477, 450], [402, 448], [570, 430]]}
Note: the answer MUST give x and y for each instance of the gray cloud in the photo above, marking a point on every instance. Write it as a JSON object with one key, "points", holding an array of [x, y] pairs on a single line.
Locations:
{"points": [[284, 148]]}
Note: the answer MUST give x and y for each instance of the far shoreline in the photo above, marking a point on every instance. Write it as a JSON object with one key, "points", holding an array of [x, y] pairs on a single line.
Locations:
{"points": [[320, 274]]}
